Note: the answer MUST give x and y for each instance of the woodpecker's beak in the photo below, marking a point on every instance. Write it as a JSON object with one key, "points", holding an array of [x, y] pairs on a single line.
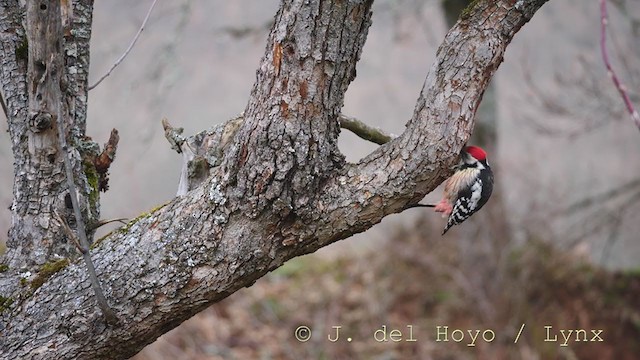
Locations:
{"points": [[463, 158]]}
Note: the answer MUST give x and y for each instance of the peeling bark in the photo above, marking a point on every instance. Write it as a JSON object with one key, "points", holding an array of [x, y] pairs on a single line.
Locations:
{"points": [[282, 188]]}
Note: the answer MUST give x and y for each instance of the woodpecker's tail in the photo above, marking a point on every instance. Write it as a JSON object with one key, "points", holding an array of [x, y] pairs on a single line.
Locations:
{"points": [[420, 205]]}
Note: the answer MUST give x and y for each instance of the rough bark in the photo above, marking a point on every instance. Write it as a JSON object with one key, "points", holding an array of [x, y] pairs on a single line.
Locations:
{"points": [[47, 65], [202, 153], [485, 131], [282, 188]]}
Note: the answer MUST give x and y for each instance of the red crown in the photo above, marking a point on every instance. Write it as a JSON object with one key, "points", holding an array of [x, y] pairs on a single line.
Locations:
{"points": [[476, 152]]}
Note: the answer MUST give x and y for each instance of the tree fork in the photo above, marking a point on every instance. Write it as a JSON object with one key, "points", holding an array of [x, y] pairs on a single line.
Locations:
{"points": [[201, 247]]}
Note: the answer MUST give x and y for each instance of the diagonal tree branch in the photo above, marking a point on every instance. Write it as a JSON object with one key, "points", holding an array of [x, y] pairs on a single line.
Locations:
{"points": [[281, 189], [404, 170]]}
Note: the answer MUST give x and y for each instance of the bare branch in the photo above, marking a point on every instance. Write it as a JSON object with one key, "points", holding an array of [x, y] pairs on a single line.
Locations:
{"points": [[363, 130], [605, 57], [359, 128], [126, 52], [100, 223], [82, 232], [173, 135], [104, 160], [575, 117]]}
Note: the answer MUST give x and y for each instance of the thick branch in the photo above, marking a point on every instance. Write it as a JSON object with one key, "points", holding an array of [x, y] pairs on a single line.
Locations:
{"points": [[287, 146], [404, 170], [202, 152]]}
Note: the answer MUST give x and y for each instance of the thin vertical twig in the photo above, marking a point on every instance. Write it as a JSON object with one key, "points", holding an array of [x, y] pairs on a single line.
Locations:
{"points": [[126, 52], [80, 227], [604, 20]]}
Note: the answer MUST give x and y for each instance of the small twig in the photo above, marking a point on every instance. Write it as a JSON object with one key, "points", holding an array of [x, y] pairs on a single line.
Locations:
{"points": [[104, 160], [419, 205], [605, 57], [174, 135], [83, 245], [363, 130], [133, 42], [359, 128], [105, 222], [67, 230]]}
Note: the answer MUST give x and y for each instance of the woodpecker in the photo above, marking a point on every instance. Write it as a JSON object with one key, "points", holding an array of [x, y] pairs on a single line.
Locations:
{"points": [[467, 190]]}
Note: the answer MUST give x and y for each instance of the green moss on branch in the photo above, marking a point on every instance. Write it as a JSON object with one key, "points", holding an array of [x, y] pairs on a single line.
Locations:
{"points": [[5, 303], [47, 270]]}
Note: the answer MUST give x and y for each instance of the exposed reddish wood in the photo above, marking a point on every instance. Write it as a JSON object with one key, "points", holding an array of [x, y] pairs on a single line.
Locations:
{"points": [[104, 160]]}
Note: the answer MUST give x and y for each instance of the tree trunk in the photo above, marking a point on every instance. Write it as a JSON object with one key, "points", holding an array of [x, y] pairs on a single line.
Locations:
{"points": [[282, 188], [52, 89]]}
